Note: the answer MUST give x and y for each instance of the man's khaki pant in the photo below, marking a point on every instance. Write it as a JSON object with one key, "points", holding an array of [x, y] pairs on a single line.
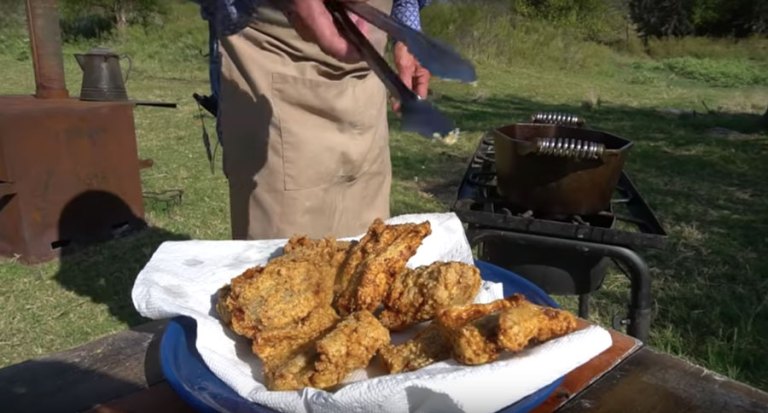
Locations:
{"points": [[306, 141]]}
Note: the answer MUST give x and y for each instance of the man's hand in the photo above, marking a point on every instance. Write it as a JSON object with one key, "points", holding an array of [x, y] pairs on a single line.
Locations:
{"points": [[314, 23], [415, 76]]}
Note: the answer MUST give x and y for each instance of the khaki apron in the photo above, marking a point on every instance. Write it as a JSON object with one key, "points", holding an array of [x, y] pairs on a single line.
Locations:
{"points": [[306, 141]]}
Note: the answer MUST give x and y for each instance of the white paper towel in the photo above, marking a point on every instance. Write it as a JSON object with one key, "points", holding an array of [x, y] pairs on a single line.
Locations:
{"points": [[182, 278]]}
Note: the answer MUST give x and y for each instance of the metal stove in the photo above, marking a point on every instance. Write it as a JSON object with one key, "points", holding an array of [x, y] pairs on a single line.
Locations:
{"points": [[69, 168], [566, 255]]}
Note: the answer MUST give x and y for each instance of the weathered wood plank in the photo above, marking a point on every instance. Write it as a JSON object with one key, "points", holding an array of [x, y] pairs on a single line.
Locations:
{"points": [[76, 379], [649, 381], [580, 378], [120, 373], [159, 398]]}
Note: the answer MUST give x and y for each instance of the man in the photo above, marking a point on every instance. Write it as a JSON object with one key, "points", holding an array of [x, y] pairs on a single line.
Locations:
{"points": [[302, 120]]}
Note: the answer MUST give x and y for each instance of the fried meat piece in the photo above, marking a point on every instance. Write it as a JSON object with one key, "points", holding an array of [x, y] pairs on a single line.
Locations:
{"points": [[473, 329], [458, 316], [228, 306], [476, 342], [295, 373], [303, 244], [274, 347], [417, 295], [372, 264], [283, 292], [528, 323], [479, 333], [430, 345], [350, 345]]}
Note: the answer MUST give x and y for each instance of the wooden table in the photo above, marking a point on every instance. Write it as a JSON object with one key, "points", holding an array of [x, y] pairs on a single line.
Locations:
{"points": [[120, 373]]}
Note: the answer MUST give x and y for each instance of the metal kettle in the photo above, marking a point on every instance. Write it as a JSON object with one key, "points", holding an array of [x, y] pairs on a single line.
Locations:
{"points": [[102, 75]]}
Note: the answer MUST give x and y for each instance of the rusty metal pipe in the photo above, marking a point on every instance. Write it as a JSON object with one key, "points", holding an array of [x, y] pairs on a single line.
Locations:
{"points": [[47, 56]]}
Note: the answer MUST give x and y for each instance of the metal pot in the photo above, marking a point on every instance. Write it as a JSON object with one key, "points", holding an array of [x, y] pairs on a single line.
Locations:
{"points": [[558, 170], [102, 76]]}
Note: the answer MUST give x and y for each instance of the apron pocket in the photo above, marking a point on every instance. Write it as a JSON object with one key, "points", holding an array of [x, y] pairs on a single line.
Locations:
{"points": [[325, 127]]}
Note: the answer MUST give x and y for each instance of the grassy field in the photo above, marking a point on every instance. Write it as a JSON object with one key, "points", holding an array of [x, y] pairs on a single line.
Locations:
{"points": [[692, 107]]}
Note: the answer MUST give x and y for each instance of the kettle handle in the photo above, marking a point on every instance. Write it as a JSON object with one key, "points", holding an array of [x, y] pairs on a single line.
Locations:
{"points": [[130, 65]]}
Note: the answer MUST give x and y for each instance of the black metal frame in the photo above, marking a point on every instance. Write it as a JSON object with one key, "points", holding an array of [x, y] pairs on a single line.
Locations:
{"points": [[649, 233], [638, 321]]}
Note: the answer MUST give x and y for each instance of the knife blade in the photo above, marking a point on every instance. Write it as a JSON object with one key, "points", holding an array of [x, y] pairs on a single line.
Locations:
{"points": [[418, 114], [439, 58]]}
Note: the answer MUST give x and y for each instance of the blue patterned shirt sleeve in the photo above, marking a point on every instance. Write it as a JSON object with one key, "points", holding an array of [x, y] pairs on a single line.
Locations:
{"points": [[230, 16], [227, 16], [408, 12]]}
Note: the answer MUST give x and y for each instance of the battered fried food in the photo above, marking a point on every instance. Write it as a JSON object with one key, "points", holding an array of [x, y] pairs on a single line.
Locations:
{"points": [[373, 263], [417, 295], [476, 342], [430, 345], [480, 333], [227, 305], [290, 310], [337, 250], [528, 323], [350, 345], [283, 292], [293, 374], [473, 329], [274, 347], [458, 316]]}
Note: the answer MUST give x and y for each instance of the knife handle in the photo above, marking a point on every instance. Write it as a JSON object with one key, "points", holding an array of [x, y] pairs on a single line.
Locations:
{"points": [[352, 33]]}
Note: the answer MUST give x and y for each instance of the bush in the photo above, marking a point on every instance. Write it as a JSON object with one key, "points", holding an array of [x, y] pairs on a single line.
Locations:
{"points": [[738, 18], [663, 18], [94, 18], [601, 21], [13, 29], [87, 26], [493, 35], [11, 13]]}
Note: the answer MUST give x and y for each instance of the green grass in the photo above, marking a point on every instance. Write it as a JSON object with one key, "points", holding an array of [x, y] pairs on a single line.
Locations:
{"points": [[722, 73], [707, 184]]}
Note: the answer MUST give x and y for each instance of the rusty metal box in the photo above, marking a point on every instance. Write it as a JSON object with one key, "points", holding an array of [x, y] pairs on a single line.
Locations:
{"points": [[69, 173]]}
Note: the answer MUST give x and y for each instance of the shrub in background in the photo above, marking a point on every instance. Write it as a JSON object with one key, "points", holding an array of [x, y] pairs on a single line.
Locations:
{"points": [[662, 18], [738, 18], [491, 32], [13, 29], [602, 21], [95, 18]]}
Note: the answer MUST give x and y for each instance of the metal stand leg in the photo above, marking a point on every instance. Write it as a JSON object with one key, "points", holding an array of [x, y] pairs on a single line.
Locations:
{"points": [[584, 306], [638, 320]]}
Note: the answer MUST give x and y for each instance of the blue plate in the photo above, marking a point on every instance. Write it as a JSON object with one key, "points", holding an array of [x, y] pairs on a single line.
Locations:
{"points": [[197, 385]]}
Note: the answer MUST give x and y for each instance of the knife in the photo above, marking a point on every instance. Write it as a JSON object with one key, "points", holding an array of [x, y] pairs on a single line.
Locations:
{"points": [[418, 114], [440, 59]]}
